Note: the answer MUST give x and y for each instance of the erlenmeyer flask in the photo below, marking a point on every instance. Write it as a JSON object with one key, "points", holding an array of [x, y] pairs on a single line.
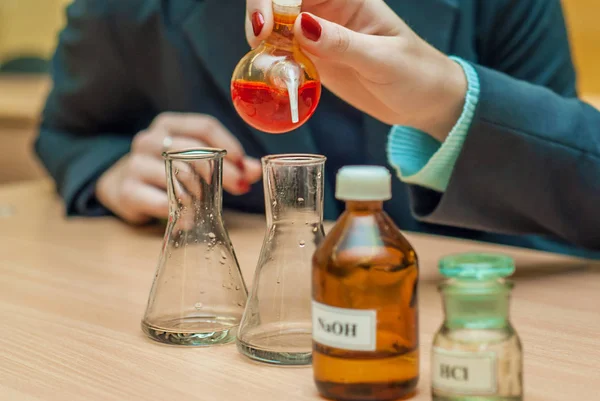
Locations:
{"points": [[276, 326], [198, 295]]}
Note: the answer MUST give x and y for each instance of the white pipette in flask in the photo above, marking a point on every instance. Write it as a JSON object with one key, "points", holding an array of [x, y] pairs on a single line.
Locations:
{"points": [[286, 75]]}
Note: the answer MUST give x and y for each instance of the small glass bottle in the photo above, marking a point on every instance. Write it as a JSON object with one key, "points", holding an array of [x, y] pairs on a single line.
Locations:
{"points": [[477, 354], [275, 88], [198, 294], [365, 276], [276, 327]]}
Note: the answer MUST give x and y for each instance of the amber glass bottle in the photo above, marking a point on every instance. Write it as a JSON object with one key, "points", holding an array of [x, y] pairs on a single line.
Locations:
{"points": [[365, 275]]}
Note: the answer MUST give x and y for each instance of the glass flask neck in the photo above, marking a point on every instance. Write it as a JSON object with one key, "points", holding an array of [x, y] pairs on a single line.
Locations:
{"points": [[364, 206], [294, 190], [477, 307], [195, 187], [283, 29]]}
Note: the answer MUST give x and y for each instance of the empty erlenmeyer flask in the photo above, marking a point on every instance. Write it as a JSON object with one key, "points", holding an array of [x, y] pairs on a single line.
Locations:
{"points": [[276, 326], [198, 295]]}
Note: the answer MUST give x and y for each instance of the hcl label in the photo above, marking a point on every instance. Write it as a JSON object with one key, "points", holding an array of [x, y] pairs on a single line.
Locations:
{"points": [[464, 372], [349, 329], [458, 373]]}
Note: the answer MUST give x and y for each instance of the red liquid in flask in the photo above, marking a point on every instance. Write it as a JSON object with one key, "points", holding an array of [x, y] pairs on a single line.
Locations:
{"points": [[268, 109]]}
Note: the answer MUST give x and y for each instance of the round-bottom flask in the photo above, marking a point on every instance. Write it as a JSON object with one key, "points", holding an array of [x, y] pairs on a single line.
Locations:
{"points": [[275, 88]]}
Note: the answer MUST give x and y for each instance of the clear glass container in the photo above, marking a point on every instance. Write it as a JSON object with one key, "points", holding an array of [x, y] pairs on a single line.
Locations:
{"points": [[365, 310], [198, 294], [276, 326], [477, 354], [276, 88]]}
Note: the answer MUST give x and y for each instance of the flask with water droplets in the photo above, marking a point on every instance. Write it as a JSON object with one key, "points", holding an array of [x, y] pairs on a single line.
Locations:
{"points": [[198, 295], [276, 326]]}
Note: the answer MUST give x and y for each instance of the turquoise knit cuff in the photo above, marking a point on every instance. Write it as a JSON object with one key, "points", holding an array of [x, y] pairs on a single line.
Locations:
{"points": [[421, 160]]}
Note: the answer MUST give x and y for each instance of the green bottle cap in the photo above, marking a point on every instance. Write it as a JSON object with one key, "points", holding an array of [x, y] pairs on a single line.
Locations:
{"points": [[477, 266]]}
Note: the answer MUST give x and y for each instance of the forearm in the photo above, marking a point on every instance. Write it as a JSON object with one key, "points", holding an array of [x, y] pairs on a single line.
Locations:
{"points": [[76, 162], [93, 110], [529, 165], [442, 87], [419, 158]]}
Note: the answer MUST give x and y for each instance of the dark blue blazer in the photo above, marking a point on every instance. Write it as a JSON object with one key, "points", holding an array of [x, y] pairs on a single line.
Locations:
{"points": [[529, 172]]}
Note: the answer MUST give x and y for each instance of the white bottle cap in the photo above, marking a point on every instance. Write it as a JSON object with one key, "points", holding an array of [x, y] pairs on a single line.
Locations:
{"points": [[363, 183]]}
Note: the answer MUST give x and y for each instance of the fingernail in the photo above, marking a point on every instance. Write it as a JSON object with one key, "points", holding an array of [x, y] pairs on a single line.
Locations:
{"points": [[243, 185], [310, 27], [258, 21], [240, 164]]}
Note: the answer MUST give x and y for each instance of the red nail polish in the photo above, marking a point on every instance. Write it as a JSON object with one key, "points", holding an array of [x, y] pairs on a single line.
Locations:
{"points": [[258, 21], [243, 185], [311, 28], [240, 164]]}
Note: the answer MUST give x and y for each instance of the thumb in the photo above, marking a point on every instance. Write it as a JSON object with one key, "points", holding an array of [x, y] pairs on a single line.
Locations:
{"points": [[329, 41]]}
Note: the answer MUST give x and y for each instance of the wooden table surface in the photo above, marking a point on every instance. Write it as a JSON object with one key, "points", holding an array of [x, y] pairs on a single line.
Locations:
{"points": [[22, 97], [72, 293]]}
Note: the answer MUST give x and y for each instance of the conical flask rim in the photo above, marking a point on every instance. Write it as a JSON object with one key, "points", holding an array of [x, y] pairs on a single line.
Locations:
{"points": [[195, 154], [297, 159]]}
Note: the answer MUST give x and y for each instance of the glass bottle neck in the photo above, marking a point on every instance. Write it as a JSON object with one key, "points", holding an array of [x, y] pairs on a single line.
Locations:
{"points": [[283, 29], [364, 206], [477, 311]]}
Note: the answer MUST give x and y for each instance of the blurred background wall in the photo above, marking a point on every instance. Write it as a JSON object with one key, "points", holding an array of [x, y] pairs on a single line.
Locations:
{"points": [[583, 20], [29, 27], [28, 34]]}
